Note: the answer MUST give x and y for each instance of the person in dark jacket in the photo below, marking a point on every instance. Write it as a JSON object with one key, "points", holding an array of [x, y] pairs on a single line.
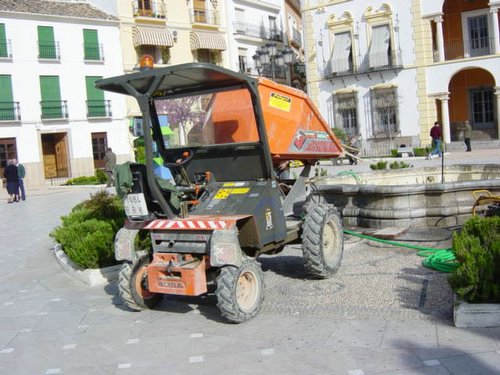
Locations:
{"points": [[436, 135], [21, 173], [10, 174]]}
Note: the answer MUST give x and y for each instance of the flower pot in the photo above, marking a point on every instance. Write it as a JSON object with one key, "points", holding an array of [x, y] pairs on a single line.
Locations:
{"points": [[476, 314]]}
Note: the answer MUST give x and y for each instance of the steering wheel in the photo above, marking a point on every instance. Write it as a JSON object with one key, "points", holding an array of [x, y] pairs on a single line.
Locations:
{"points": [[187, 155]]}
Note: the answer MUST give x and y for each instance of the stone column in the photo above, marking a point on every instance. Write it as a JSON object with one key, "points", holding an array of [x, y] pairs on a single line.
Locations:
{"points": [[496, 30], [445, 112], [439, 37], [497, 94]]}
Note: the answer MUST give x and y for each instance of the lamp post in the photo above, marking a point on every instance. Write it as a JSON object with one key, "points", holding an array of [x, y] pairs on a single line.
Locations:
{"points": [[270, 55]]}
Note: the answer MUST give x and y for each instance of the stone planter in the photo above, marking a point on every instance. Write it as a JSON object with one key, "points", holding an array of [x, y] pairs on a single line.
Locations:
{"points": [[91, 277], [468, 315]]}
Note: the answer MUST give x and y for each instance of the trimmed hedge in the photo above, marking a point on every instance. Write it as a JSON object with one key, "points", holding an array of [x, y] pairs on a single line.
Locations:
{"points": [[87, 233], [477, 249], [98, 178]]}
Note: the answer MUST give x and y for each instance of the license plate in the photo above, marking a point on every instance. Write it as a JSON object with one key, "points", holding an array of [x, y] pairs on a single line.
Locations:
{"points": [[135, 205]]}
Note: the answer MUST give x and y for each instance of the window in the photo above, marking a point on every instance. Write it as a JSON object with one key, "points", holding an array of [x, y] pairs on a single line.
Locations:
{"points": [[96, 105], [346, 113], [380, 54], [240, 20], [385, 112], [4, 48], [47, 47], [99, 147], [7, 151], [91, 45], [342, 53], [273, 29], [242, 60], [476, 33], [52, 106], [161, 55], [7, 105], [209, 56], [200, 11], [144, 7], [483, 116]]}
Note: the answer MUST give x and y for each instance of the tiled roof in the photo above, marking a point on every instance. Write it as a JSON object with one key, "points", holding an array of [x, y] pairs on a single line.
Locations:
{"points": [[55, 8]]}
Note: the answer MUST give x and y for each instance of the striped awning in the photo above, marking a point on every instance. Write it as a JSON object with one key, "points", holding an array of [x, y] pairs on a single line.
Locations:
{"points": [[207, 40], [152, 36]]}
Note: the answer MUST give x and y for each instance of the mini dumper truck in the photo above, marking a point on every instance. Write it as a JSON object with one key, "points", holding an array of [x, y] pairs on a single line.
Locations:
{"points": [[225, 204]]}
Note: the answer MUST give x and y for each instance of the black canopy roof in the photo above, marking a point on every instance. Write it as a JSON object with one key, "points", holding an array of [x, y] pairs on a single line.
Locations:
{"points": [[175, 80]]}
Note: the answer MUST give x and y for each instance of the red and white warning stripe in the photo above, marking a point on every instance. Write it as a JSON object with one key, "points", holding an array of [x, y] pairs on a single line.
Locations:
{"points": [[188, 224]]}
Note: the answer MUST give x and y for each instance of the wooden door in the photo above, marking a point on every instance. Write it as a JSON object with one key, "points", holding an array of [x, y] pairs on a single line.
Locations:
{"points": [[61, 155]]}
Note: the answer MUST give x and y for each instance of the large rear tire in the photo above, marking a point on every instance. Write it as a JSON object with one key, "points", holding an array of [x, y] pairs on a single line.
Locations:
{"points": [[240, 291], [322, 241], [132, 286]]}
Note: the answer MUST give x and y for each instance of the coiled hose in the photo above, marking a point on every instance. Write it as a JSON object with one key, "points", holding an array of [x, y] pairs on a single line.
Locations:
{"points": [[443, 260]]}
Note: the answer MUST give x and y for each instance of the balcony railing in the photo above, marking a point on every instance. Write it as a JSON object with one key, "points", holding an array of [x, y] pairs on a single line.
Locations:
{"points": [[10, 111], [258, 31], [279, 71], [6, 49], [146, 8], [54, 109], [463, 49], [98, 108], [346, 67], [296, 36], [93, 52], [49, 51], [206, 16]]}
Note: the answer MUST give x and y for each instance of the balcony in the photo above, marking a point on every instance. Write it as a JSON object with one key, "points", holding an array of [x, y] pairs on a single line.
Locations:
{"points": [[98, 108], [205, 16], [464, 49], [257, 31], [296, 39], [10, 111], [5, 49], [49, 51], [150, 9], [279, 72], [54, 109], [93, 52], [348, 67]]}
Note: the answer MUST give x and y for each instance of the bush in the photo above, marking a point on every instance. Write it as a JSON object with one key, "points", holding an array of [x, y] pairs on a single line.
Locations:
{"points": [[101, 176], [477, 249], [83, 180], [394, 153], [87, 233], [421, 151], [340, 134], [399, 165], [379, 165]]}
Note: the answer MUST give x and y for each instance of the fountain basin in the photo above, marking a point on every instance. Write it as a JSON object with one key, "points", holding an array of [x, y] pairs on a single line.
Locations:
{"points": [[404, 198]]}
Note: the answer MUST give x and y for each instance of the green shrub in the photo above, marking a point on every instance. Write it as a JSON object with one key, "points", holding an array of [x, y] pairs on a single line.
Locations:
{"points": [[83, 180], [379, 165], [394, 153], [340, 134], [88, 244], [399, 165], [87, 233], [477, 249], [421, 151], [101, 176]]}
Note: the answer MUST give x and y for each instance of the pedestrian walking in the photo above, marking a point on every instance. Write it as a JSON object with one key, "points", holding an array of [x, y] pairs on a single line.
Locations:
{"points": [[467, 135], [110, 159], [436, 135], [10, 174], [21, 173]]}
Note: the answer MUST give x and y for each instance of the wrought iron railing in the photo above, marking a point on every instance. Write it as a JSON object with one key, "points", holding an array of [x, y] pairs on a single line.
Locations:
{"points": [[206, 16], [258, 31], [10, 111], [49, 51], [98, 108], [93, 52], [54, 109], [146, 8], [463, 49], [6, 49]]}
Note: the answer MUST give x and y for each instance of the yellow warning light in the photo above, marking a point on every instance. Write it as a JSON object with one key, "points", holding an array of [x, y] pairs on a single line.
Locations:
{"points": [[146, 62]]}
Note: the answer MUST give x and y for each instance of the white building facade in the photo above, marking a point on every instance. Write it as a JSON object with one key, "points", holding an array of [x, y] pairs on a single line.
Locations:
{"points": [[388, 70], [51, 116]]}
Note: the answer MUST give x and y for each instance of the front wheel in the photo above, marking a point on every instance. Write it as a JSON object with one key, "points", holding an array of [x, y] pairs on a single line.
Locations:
{"points": [[240, 291], [132, 286], [322, 241]]}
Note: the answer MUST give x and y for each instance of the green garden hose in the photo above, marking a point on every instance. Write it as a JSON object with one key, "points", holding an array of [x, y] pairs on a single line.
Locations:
{"points": [[439, 259], [352, 174]]}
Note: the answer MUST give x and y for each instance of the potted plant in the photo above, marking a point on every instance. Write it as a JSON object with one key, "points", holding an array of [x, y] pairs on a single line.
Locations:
{"points": [[476, 281]]}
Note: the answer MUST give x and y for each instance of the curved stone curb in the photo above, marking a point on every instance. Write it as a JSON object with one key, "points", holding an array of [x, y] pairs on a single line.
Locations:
{"points": [[91, 277]]}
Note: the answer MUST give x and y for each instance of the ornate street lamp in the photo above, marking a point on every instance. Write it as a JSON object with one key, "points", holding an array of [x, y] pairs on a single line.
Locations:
{"points": [[270, 55]]}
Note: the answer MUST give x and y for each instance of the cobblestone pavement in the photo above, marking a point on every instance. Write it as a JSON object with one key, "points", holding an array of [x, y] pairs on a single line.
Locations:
{"points": [[383, 313]]}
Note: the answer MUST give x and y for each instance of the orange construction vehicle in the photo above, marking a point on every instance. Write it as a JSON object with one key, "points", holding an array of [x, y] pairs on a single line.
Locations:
{"points": [[225, 140]]}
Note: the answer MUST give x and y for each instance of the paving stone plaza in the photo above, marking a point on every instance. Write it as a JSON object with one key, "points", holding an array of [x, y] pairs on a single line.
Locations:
{"points": [[383, 313]]}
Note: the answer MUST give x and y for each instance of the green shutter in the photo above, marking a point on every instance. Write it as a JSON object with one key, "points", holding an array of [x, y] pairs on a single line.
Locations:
{"points": [[51, 97], [6, 101], [91, 45], [46, 43], [96, 105], [4, 52]]}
